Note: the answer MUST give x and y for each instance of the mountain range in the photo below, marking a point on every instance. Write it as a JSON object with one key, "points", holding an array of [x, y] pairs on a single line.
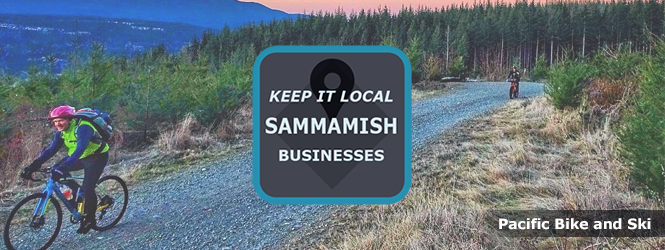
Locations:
{"points": [[30, 40], [32, 31], [205, 13]]}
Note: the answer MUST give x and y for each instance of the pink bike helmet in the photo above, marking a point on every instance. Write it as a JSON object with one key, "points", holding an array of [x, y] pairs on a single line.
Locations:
{"points": [[62, 112]]}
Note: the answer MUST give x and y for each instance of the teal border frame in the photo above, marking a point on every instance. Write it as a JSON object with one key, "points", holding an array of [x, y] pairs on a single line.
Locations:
{"points": [[256, 123]]}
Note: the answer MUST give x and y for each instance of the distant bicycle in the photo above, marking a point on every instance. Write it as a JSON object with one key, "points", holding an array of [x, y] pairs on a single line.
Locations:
{"points": [[36, 220], [513, 88]]}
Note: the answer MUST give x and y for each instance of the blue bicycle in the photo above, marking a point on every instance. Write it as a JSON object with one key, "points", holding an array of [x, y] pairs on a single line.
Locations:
{"points": [[36, 220]]}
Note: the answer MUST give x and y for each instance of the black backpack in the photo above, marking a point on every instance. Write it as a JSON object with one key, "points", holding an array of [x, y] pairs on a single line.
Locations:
{"points": [[100, 120]]}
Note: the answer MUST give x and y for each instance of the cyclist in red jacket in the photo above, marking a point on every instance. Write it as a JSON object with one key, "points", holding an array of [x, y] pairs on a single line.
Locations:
{"points": [[515, 74]]}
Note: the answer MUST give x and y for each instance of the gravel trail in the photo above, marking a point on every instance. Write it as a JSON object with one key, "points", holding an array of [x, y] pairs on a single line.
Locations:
{"points": [[467, 100], [215, 206]]}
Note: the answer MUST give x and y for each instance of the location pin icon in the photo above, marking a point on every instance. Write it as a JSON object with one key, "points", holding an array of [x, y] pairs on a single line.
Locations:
{"points": [[317, 81]]}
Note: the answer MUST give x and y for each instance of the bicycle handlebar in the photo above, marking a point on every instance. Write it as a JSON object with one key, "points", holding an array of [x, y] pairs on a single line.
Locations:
{"points": [[45, 170], [33, 179]]}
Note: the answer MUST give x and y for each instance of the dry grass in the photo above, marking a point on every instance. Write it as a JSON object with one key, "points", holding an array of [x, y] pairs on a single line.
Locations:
{"points": [[178, 138], [239, 125], [526, 156], [427, 221], [417, 95], [190, 144], [427, 89], [607, 92], [26, 140], [189, 134]]}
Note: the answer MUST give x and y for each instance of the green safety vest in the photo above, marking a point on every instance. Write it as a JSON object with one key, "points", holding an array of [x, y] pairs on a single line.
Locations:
{"points": [[69, 138]]}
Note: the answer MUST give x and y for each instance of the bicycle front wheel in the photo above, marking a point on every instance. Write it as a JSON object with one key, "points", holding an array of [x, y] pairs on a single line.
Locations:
{"points": [[112, 199], [23, 230]]}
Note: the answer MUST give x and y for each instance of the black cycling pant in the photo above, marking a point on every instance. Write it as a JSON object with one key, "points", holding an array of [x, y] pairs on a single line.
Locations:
{"points": [[93, 167]]}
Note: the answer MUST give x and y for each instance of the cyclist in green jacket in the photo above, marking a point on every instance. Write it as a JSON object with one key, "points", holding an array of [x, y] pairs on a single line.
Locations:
{"points": [[85, 151]]}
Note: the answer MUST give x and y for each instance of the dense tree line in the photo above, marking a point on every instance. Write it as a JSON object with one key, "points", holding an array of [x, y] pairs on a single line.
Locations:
{"points": [[488, 37]]}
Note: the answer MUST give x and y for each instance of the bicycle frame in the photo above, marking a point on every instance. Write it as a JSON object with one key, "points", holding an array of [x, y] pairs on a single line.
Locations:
{"points": [[51, 189]]}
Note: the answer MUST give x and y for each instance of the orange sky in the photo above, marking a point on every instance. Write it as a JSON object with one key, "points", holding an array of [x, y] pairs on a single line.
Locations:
{"points": [[298, 6]]}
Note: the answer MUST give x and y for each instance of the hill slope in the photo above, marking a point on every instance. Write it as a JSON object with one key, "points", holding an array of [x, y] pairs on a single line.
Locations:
{"points": [[28, 40], [205, 13]]}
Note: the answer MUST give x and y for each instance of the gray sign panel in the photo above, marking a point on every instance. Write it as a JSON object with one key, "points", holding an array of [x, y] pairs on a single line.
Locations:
{"points": [[332, 124]]}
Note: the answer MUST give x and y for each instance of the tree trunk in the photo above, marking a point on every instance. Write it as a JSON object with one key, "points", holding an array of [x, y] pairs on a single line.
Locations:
{"points": [[147, 108], [572, 42], [551, 50], [447, 45], [529, 56], [519, 55], [501, 53], [583, 41], [487, 59], [474, 58]]}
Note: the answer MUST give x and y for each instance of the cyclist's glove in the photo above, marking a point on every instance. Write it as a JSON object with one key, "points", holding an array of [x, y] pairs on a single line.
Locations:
{"points": [[57, 174], [26, 173]]}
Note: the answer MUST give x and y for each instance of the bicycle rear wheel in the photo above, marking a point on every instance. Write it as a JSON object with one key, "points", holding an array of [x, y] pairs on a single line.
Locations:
{"points": [[24, 231], [112, 199], [513, 91]]}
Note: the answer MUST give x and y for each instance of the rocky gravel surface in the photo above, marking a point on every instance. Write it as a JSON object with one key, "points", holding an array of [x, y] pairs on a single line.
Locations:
{"points": [[214, 206], [468, 100]]}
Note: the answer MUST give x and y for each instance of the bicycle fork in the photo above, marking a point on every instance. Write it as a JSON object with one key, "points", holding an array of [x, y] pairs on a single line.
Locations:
{"points": [[40, 208], [38, 213]]}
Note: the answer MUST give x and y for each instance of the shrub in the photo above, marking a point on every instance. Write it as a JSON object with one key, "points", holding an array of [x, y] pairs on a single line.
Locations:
{"points": [[618, 74], [457, 67], [642, 134], [432, 67], [415, 54], [618, 64], [232, 85], [565, 83], [540, 70]]}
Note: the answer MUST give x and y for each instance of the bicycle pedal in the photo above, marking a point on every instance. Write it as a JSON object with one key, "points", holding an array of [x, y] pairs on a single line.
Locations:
{"points": [[106, 200], [72, 220]]}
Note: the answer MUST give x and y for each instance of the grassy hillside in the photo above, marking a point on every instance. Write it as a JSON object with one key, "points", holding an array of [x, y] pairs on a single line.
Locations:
{"points": [[594, 142]]}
